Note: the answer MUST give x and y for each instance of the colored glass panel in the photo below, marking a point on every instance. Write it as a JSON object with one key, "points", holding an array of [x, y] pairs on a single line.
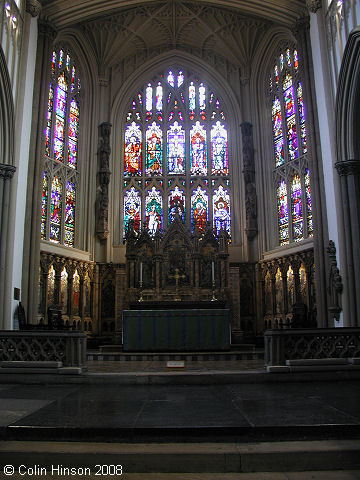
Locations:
{"points": [[281, 61], [61, 58], [159, 97], [44, 202], [73, 133], [221, 210], [153, 211], [132, 210], [180, 79], [219, 150], [296, 209], [154, 150], [149, 98], [176, 149], [296, 60], [69, 214], [202, 97], [192, 95], [53, 62], [199, 210], [198, 154], [49, 120], [301, 109], [277, 132], [73, 70], [176, 205], [276, 74], [60, 110], [283, 213], [133, 145], [308, 202], [55, 210], [288, 57], [171, 79], [68, 62], [289, 101], [292, 138]]}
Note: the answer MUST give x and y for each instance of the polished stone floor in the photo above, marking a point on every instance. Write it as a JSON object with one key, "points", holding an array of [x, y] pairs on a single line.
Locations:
{"points": [[181, 412]]}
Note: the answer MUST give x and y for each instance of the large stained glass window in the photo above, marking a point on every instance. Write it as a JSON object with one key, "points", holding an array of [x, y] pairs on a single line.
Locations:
{"points": [[183, 170], [58, 203], [291, 154]]}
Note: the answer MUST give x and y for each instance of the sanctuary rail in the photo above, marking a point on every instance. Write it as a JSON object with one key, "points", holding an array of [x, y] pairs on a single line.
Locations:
{"points": [[290, 344], [66, 347]]}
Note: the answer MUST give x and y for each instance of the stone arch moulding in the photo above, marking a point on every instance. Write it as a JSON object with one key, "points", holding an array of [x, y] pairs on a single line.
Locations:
{"points": [[7, 114], [135, 81], [347, 101], [7, 170], [348, 169]]}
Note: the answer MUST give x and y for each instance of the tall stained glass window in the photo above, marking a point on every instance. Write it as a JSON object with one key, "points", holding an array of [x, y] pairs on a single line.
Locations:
{"points": [[182, 171], [58, 203], [290, 148]]}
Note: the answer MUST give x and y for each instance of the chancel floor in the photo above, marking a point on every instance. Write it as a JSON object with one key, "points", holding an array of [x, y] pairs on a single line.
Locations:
{"points": [[247, 427]]}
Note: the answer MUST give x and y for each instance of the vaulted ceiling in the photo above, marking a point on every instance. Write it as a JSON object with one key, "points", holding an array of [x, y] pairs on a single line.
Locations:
{"points": [[120, 29]]}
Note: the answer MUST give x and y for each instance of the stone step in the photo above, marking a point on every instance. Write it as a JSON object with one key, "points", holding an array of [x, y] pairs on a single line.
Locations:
{"points": [[169, 356], [67, 459]]}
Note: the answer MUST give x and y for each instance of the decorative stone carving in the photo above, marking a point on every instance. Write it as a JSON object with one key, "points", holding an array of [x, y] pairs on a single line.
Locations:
{"points": [[348, 167], [6, 171], [313, 5], [33, 7], [102, 228], [47, 29], [335, 282], [249, 178]]}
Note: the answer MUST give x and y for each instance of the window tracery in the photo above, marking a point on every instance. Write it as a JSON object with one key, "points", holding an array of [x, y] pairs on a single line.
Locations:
{"points": [[289, 130], [184, 161], [61, 175]]}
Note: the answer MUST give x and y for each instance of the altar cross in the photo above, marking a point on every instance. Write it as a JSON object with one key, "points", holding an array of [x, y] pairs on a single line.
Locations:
{"points": [[177, 277]]}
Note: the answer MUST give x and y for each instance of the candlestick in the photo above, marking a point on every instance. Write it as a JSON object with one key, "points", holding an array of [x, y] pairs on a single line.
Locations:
{"points": [[212, 271], [141, 271]]}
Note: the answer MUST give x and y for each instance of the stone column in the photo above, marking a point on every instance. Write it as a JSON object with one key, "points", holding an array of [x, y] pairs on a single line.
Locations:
{"points": [[6, 174], [301, 31], [349, 171], [46, 35]]}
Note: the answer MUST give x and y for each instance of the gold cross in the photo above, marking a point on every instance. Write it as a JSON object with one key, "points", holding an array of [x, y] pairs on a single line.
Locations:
{"points": [[177, 277]]}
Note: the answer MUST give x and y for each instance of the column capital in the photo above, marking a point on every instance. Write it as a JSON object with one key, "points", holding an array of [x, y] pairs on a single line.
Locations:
{"points": [[313, 5], [6, 171], [33, 7], [348, 167], [47, 29]]}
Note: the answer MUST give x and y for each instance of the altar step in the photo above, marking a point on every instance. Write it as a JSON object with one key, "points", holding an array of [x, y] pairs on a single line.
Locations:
{"points": [[111, 354]]}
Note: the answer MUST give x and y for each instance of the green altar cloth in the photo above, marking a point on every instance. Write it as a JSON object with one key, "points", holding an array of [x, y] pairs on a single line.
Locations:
{"points": [[180, 330]]}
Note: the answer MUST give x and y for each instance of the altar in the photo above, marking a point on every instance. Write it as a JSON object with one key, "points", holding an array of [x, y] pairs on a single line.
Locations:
{"points": [[177, 295], [176, 330]]}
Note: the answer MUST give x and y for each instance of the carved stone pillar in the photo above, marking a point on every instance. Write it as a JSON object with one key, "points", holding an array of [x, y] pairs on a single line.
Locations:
{"points": [[44, 265], [313, 5], [283, 270], [349, 171], [102, 227], [46, 35], [6, 174], [249, 179], [70, 271]]}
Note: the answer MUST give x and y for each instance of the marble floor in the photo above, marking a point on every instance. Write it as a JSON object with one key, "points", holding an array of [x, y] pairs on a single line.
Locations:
{"points": [[185, 412]]}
